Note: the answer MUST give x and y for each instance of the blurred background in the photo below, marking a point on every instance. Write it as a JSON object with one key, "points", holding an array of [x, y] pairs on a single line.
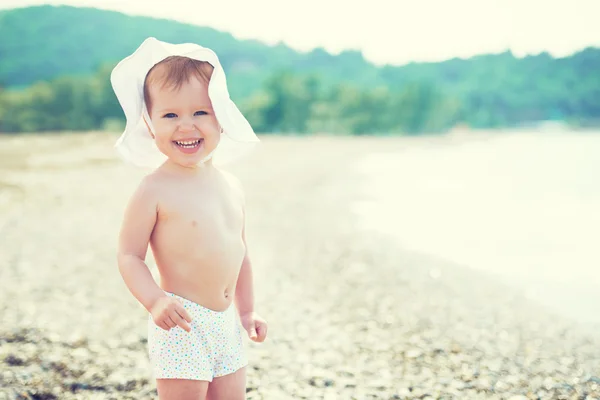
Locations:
{"points": [[400, 69], [460, 137], [506, 69]]}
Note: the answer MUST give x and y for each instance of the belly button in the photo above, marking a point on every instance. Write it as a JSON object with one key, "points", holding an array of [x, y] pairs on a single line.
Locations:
{"points": [[226, 294]]}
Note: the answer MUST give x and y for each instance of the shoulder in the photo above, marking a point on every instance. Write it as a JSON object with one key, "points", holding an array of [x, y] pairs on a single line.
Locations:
{"points": [[147, 190]]}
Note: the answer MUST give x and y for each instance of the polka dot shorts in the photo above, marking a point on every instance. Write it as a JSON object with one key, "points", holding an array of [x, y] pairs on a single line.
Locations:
{"points": [[214, 347]]}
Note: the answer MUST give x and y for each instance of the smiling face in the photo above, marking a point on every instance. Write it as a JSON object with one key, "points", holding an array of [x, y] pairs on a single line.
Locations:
{"points": [[186, 129]]}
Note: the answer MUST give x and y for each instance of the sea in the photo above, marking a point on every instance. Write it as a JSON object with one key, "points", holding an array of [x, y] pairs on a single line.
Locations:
{"points": [[523, 206]]}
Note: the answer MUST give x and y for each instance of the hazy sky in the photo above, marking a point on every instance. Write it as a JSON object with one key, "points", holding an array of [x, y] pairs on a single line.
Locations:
{"points": [[386, 31]]}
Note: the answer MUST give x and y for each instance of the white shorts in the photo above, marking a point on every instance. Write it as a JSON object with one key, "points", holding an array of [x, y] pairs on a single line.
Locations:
{"points": [[214, 347]]}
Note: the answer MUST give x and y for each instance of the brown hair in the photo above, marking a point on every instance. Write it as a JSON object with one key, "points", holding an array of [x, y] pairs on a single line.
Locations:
{"points": [[173, 71]]}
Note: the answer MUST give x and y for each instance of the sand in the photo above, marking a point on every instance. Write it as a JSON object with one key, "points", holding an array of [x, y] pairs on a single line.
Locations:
{"points": [[351, 315]]}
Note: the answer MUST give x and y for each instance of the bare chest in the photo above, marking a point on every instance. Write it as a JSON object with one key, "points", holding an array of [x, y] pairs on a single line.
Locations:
{"points": [[198, 219]]}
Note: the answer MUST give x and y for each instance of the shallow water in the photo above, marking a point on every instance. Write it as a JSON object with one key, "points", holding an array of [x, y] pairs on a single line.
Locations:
{"points": [[523, 206]]}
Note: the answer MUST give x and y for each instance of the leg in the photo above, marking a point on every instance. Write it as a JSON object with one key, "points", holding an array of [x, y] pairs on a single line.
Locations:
{"points": [[228, 387], [181, 389]]}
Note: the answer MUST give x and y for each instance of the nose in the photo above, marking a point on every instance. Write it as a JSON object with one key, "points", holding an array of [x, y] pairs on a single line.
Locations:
{"points": [[186, 125]]}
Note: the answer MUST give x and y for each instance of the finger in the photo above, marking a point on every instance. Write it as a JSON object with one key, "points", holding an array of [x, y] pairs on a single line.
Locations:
{"points": [[163, 325], [181, 322], [183, 313], [262, 332], [170, 323], [252, 332]]}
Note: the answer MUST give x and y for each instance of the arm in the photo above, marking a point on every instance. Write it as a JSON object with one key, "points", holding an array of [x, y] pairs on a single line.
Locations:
{"points": [[244, 297], [137, 226], [244, 293]]}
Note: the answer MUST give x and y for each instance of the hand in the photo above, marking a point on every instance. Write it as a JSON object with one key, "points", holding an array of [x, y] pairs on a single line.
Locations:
{"points": [[168, 313], [255, 326]]}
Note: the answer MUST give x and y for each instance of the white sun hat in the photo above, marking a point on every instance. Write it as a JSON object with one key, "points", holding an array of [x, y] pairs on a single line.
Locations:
{"points": [[136, 145]]}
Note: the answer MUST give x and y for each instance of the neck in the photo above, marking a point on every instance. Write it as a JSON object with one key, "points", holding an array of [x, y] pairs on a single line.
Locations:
{"points": [[198, 169]]}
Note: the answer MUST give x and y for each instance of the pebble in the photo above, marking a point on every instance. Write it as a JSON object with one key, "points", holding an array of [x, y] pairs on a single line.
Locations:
{"points": [[351, 316]]}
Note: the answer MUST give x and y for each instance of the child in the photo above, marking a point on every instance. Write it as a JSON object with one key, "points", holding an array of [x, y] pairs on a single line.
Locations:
{"points": [[181, 121]]}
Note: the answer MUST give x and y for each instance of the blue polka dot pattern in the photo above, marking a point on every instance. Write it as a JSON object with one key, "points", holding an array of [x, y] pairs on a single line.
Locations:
{"points": [[214, 347]]}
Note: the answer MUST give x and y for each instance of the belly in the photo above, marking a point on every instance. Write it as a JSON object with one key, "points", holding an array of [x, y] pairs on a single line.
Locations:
{"points": [[199, 264]]}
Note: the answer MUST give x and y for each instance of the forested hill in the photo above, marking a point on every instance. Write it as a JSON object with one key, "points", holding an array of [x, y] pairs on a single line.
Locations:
{"points": [[47, 42], [44, 42]]}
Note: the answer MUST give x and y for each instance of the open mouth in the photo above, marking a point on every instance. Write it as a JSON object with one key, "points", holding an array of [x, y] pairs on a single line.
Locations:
{"points": [[188, 144]]}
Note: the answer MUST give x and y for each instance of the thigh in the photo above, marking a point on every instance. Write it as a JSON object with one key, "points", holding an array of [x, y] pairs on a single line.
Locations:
{"points": [[228, 387], [181, 389]]}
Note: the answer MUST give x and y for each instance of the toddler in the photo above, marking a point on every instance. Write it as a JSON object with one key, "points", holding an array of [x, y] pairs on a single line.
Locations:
{"points": [[182, 124]]}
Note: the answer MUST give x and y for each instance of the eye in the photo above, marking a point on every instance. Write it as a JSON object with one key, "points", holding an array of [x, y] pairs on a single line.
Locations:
{"points": [[170, 115], [200, 113]]}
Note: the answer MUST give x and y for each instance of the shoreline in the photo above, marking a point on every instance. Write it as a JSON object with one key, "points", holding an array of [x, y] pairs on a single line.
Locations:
{"points": [[446, 210]]}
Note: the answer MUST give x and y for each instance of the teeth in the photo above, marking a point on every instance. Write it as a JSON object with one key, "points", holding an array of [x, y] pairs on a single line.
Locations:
{"points": [[188, 142]]}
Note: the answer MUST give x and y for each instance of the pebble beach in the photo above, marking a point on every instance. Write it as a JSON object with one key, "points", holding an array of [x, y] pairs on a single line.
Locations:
{"points": [[351, 314]]}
